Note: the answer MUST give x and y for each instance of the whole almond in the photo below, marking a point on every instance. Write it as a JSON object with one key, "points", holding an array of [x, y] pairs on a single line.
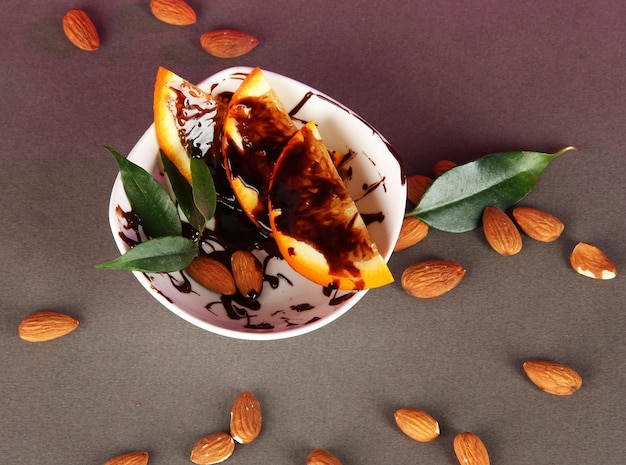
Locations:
{"points": [[553, 378], [131, 458], [432, 278], [80, 30], [470, 450], [245, 418], [321, 457], [417, 424], [214, 448], [212, 274], [537, 224], [228, 43], [413, 230], [45, 326], [416, 186], [500, 232], [176, 12], [248, 273], [588, 260], [442, 166]]}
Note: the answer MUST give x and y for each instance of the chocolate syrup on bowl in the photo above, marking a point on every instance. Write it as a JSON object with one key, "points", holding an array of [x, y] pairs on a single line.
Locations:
{"points": [[130, 222], [370, 218]]}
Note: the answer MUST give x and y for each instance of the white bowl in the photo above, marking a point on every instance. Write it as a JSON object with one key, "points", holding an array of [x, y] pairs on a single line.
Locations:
{"points": [[295, 306]]}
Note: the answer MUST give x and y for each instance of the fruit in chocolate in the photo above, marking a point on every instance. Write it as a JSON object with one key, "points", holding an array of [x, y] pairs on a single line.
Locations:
{"points": [[315, 222], [256, 128], [187, 121]]}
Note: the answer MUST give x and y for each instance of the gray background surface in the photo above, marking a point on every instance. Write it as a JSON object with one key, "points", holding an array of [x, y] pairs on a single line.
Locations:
{"points": [[441, 80]]}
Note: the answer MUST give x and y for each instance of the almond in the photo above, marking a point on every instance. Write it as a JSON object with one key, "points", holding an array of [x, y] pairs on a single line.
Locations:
{"points": [[590, 261], [537, 224], [442, 166], [45, 326], [131, 458], [175, 12], [413, 230], [212, 274], [227, 43], [321, 457], [500, 232], [214, 448], [80, 30], [431, 278], [248, 273], [416, 186], [245, 418], [417, 424], [470, 450], [552, 377]]}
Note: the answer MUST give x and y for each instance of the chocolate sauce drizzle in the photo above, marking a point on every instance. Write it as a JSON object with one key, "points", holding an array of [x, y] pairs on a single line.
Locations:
{"points": [[233, 230]]}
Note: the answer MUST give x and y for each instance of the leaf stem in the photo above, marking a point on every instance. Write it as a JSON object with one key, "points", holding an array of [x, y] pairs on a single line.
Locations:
{"points": [[569, 148]]}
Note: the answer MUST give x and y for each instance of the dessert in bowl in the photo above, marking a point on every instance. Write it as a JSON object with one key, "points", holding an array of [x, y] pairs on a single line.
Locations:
{"points": [[288, 304]]}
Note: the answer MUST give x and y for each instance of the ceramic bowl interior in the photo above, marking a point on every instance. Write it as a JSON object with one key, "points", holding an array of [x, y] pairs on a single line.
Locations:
{"points": [[291, 305]]}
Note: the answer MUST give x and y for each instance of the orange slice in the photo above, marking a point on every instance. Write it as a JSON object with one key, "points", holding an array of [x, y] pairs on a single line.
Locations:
{"points": [[187, 121], [315, 222], [256, 128]]}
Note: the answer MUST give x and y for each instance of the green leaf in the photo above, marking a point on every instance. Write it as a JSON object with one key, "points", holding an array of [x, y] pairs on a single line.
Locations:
{"points": [[204, 195], [183, 192], [157, 211], [455, 201], [162, 254]]}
